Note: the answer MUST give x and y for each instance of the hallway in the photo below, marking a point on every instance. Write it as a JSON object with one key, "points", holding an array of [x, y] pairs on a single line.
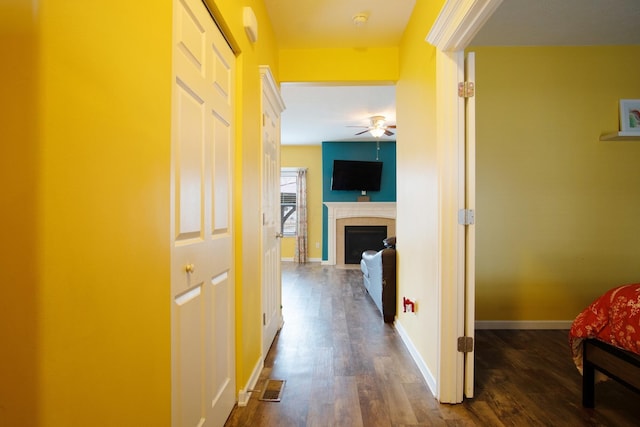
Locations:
{"points": [[344, 367], [342, 364]]}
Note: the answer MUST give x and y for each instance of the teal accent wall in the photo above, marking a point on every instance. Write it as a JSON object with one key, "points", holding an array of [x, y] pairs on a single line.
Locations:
{"points": [[356, 150]]}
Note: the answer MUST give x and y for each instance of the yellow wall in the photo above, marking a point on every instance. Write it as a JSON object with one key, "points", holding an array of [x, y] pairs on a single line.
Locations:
{"points": [[310, 157], [339, 65], [103, 307], [85, 209], [417, 184], [18, 216], [558, 209]]}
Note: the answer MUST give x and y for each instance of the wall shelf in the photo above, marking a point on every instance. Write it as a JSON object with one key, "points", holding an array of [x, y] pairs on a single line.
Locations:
{"points": [[620, 136]]}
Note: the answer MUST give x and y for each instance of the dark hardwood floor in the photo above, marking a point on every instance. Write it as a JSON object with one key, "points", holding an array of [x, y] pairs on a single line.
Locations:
{"points": [[344, 367]]}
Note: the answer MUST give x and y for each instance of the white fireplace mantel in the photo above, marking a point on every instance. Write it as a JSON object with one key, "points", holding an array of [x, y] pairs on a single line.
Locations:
{"points": [[339, 210]]}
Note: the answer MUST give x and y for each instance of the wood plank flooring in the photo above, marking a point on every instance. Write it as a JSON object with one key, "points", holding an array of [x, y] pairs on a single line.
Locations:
{"points": [[344, 367]]}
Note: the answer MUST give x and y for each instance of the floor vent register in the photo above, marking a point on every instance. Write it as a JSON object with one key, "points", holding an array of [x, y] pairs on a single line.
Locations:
{"points": [[272, 391]]}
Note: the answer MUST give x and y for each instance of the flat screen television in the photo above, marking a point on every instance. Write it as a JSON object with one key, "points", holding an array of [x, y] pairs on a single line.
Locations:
{"points": [[356, 175]]}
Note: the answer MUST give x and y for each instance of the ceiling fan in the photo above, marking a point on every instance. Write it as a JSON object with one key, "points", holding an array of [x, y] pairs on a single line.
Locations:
{"points": [[377, 127]]}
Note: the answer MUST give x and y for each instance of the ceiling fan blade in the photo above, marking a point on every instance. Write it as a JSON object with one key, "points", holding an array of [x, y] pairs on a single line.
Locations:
{"points": [[364, 131], [388, 132], [391, 126], [357, 126]]}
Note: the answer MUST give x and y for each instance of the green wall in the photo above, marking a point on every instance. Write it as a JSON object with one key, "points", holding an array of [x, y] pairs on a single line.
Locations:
{"points": [[557, 209], [365, 151]]}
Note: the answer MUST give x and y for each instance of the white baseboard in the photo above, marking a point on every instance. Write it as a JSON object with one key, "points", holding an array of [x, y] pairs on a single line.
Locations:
{"points": [[523, 324], [480, 324], [415, 355], [245, 393], [308, 260]]}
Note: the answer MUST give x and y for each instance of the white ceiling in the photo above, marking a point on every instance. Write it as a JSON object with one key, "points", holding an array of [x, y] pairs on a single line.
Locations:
{"points": [[562, 23], [322, 113], [318, 113]]}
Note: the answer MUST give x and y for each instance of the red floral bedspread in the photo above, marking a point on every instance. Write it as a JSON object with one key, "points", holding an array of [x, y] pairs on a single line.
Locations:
{"points": [[613, 318]]}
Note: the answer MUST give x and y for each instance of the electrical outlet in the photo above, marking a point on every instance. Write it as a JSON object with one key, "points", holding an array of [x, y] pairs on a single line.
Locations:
{"points": [[409, 305], [317, 245]]}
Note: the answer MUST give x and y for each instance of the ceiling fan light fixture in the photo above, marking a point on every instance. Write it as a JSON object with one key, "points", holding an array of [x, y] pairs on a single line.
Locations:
{"points": [[377, 128], [377, 121], [377, 132]]}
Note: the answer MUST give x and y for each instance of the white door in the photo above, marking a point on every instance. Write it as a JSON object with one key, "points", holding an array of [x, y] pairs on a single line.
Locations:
{"points": [[470, 245], [202, 277], [272, 107]]}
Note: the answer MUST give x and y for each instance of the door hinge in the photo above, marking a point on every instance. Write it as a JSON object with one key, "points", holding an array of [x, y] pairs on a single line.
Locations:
{"points": [[465, 344], [466, 217], [466, 89], [264, 319]]}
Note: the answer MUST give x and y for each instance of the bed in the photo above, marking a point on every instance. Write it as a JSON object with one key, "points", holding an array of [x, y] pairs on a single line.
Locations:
{"points": [[605, 340]]}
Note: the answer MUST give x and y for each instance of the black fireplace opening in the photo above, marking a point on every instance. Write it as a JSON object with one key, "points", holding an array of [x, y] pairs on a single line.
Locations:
{"points": [[360, 238]]}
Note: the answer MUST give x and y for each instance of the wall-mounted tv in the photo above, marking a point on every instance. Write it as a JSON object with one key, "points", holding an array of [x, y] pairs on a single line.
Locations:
{"points": [[356, 175]]}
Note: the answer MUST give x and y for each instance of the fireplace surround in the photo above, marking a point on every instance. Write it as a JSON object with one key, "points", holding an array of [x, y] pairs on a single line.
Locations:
{"points": [[341, 214]]}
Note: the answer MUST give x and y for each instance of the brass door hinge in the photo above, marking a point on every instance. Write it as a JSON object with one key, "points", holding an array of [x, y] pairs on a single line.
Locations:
{"points": [[466, 89], [465, 344]]}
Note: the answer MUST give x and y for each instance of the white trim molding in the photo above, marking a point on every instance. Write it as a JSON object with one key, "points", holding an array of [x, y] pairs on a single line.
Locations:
{"points": [[458, 23], [245, 394], [415, 355], [269, 81], [451, 252], [309, 260], [524, 324]]}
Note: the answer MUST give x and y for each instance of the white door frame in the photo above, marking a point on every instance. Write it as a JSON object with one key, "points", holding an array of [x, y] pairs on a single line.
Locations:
{"points": [[271, 298], [470, 232], [458, 22]]}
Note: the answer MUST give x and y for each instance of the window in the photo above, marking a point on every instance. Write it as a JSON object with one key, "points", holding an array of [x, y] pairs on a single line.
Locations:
{"points": [[288, 217]]}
